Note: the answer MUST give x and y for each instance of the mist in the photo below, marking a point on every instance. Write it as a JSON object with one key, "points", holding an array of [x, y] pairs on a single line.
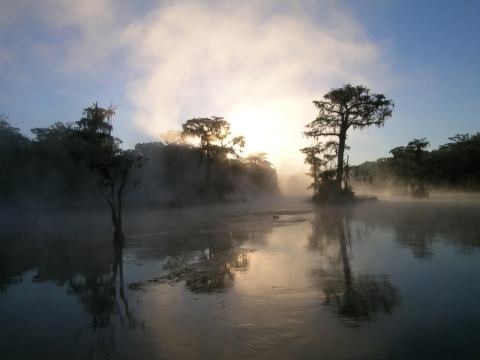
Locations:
{"points": [[239, 180]]}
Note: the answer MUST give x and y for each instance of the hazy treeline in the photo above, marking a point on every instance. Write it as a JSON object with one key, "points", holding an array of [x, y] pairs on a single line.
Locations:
{"points": [[174, 173], [413, 168], [46, 169]]}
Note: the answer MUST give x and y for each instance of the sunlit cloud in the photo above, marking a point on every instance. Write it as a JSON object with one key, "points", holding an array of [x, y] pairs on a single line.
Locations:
{"points": [[259, 71], [259, 64]]}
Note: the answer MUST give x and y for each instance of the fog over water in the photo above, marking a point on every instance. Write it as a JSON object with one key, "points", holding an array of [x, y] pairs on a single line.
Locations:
{"points": [[262, 179], [272, 279]]}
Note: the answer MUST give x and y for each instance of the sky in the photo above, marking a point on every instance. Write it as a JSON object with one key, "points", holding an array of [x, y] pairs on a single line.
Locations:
{"points": [[260, 64]]}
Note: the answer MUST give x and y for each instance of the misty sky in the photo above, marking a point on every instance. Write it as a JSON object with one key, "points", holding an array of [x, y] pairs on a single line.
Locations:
{"points": [[258, 63]]}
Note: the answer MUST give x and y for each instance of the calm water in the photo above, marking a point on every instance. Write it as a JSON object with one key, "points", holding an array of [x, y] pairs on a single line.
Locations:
{"points": [[384, 280]]}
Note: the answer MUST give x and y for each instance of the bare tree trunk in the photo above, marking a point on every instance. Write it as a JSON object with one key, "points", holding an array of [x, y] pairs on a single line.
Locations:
{"points": [[341, 151], [118, 236], [207, 164], [207, 171]]}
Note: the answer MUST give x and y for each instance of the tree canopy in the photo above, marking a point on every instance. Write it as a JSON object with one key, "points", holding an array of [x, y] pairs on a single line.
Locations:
{"points": [[412, 168], [70, 164], [214, 136], [110, 164], [341, 109]]}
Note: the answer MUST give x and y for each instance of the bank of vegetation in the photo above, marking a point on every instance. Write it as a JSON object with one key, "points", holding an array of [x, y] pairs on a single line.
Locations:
{"points": [[81, 164], [412, 169]]}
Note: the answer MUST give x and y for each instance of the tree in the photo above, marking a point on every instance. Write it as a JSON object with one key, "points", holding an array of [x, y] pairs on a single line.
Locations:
{"points": [[342, 109], [52, 164], [409, 165], [321, 158], [213, 134], [258, 158], [237, 144], [316, 163], [417, 149], [15, 154], [412, 166], [209, 131], [110, 164]]}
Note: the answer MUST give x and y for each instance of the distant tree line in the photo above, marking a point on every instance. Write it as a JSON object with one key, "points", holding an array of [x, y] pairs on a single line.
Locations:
{"points": [[71, 164], [212, 170], [413, 169]]}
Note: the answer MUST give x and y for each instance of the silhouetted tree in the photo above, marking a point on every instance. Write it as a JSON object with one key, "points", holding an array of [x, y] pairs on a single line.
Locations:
{"points": [[237, 144], [408, 165], [110, 164], [456, 163], [321, 158], [257, 158], [343, 108], [210, 131], [417, 151], [175, 168], [316, 163], [53, 149], [14, 154], [66, 164], [412, 168]]}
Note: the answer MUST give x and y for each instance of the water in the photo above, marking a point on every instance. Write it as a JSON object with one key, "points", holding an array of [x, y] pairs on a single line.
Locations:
{"points": [[382, 280]]}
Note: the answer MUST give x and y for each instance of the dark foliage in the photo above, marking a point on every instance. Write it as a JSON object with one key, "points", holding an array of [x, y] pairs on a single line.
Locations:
{"points": [[342, 108], [68, 165], [412, 168], [174, 175]]}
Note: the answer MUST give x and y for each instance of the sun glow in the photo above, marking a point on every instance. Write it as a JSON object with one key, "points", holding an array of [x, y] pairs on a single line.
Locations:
{"points": [[268, 127]]}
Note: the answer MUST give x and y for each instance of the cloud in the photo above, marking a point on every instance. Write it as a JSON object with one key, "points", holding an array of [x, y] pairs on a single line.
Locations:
{"points": [[258, 63], [91, 32], [72, 37], [5, 57], [259, 66]]}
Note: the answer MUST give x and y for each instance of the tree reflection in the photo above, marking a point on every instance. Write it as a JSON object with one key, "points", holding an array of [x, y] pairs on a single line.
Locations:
{"points": [[355, 298], [103, 294], [207, 264], [91, 271], [418, 226], [216, 270]]}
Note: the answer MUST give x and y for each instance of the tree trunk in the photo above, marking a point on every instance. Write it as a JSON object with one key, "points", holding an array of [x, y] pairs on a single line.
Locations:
{"points": [[118, 236], [341, 151], [347, 272], [207, 169]]}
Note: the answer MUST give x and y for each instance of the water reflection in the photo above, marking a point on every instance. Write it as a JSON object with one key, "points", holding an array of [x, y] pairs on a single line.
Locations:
{"points": [[206, 264], [91, 271], [355, 298], [103, 294], [252, 281], [419, 226]]}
